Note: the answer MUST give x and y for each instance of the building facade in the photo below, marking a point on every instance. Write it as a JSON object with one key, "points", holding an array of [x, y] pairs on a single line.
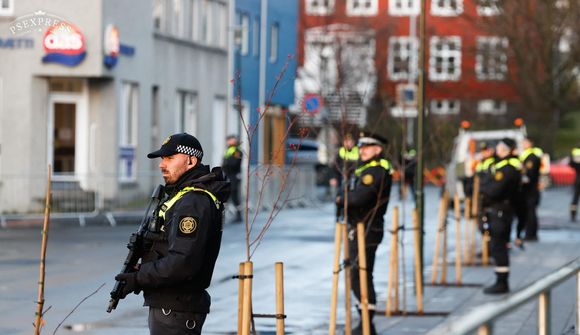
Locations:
{"points": [[92, 87], [466, 69]]}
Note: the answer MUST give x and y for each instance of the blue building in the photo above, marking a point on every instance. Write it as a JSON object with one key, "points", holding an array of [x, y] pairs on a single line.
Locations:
{"points": [[264, 66]]}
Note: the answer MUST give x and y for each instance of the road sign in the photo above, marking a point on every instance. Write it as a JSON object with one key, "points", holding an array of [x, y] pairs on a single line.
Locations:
{"points": [[312, 103]]}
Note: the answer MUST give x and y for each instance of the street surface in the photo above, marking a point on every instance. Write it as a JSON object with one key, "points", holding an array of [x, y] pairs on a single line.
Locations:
{"points": [[80, 259]]}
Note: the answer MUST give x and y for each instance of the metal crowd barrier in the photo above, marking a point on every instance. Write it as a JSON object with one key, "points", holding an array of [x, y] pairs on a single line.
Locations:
{"points": [[482, 319]]}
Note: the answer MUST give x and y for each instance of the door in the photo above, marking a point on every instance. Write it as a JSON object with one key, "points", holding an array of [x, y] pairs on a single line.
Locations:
{"points": [[68, 137], [64, 138]]}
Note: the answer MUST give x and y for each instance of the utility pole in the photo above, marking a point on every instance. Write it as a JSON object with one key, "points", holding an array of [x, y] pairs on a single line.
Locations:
{"points": [[420, 132]]}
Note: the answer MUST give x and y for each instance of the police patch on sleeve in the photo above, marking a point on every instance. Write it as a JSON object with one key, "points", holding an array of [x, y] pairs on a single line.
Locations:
{"points": [[367, 179], [498, 176], [187, 226], [529, 165]]}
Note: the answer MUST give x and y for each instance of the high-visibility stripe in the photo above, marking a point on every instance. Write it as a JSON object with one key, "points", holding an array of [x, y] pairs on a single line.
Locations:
{"points": [[230, 151], [485, 165], [576, 152], [502, 269], [508, 161], [529, 151], [169, 203], [383, 162], [349, 155]]}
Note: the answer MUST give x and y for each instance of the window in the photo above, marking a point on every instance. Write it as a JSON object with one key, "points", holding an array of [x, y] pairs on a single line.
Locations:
{"points": [[488, 7], [491, 59], [245, 27], [404, 7], [128, 132], [362, 7], [445, 58], [178, 18], [319, 7], [274, 29], [403, 54], [256, 37], [159, 11], [446, 7], [445, 107], [493, 107], [187, 111], [221, 24], [6, 7]]}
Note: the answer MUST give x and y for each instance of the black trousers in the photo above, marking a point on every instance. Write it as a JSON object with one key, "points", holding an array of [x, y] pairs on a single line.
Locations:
{"points": [[372, 240], [500, 223], [576, 195], [521, 212], [235, 191], [531, 201], [168, 322]]}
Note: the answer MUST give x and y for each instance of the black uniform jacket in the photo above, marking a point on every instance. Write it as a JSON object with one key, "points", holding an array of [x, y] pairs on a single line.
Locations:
{"points": [[502, 190], [179, 265], [531, 168], [368, 199], [232, 162]]}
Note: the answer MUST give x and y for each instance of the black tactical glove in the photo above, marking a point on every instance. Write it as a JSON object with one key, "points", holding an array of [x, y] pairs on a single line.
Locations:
{"points": [[131, 285]]}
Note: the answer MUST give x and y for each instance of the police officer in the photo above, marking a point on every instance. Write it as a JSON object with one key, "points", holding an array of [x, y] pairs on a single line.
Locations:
{"points": [[345, 162], [575, 164], [483, 170], [501, 192], [232, 166], [367, 202], [177, 267], [531, 159]]}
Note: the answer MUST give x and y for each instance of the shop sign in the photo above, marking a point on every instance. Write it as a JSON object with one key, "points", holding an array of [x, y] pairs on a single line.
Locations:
{"points": [[64, 44]]}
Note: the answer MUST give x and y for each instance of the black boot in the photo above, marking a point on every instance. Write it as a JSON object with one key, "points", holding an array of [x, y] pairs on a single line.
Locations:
{"points": [[573, 211], [501, 285], [358, 330]]}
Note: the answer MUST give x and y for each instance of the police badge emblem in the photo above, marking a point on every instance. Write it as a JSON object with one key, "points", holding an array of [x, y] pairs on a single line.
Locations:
{"points": [[187, 225]]}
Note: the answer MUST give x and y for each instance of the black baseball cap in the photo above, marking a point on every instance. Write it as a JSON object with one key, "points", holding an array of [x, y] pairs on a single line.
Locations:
{"points": [[183, 143], [510, 143], [371, 138]]}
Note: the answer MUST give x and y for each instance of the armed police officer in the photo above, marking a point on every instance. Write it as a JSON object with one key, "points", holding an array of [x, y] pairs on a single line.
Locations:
{"points": [[531, 159], [575, 164], [232, 166], [184, 243], [501, 193], [367, 202]]}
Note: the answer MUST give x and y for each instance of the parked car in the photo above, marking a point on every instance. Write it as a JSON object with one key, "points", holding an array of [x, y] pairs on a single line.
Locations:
{"points": [[301, 151], [561, 173]]}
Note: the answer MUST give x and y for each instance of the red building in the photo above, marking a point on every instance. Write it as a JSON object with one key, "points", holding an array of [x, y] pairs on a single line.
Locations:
{"points": [[347, 45]]}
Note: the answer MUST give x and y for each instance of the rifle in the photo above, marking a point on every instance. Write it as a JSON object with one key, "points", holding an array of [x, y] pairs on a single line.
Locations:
{"points": [[135, 247]]}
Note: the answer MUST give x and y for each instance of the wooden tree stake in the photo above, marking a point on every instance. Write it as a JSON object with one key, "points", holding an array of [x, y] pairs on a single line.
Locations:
{"points": [[362, 266], [418, 277], [347, 282], [38, 323], [247, 301], [335, 272], [279, 298]]}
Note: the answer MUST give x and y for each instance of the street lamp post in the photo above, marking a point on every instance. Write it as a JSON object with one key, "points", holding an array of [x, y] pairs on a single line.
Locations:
{"points": [[420, 131]]}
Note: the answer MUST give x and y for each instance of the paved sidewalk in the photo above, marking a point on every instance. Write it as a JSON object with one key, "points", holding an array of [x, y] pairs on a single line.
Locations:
{"points": [[555, 249]]}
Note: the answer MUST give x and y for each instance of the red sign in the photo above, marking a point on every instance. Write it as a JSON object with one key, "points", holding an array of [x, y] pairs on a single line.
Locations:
{"points": [[312, 103], [64, 43]]}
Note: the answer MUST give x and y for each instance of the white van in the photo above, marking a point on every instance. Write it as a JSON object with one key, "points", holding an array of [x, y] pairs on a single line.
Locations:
{"points": [[465, 154]]}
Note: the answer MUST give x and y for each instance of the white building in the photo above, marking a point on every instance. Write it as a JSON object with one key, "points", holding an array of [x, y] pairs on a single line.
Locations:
{"points": [[95, 121]]}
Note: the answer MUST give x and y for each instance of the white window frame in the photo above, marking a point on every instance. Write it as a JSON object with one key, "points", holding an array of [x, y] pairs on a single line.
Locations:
{"points": [[495, 65], [7, 11], [160, 13], [187, 109], [316, 7], [446, 9], [274, 42], [404, 7], [445, 107], [492, 107], [445, 54], [256, 37], [409, 53], [222, 24], [178, 18], [488, 7], [245, 31], [128, 129], [358, 8]]}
